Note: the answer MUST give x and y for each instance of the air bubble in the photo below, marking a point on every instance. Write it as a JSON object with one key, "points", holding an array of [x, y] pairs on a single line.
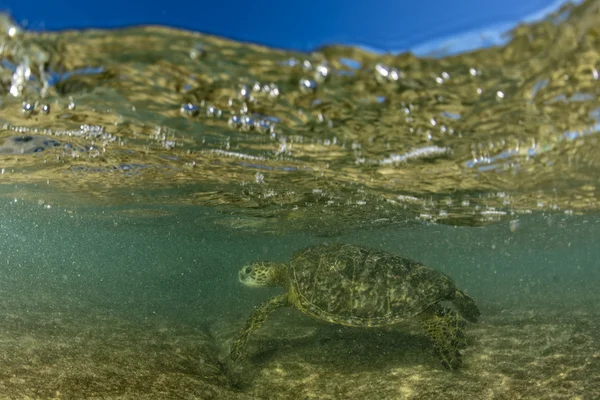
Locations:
{"points": [[197, 52], [394, 75], [9, 26], [274, 90], [321, 73], [27, 109], [381, 72], [244, 92], [235, 121], [308, 86], [291, 62], [189, 110]]}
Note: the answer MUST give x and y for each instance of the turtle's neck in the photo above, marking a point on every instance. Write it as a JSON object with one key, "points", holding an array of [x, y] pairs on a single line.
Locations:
{"points": [[280, 275]]}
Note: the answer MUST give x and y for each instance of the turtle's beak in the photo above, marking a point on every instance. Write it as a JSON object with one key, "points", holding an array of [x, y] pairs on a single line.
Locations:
{"points": [[242, 276]]}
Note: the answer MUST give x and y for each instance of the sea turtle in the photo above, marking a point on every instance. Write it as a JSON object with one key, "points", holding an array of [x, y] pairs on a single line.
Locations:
{"points": [[358, 286]]}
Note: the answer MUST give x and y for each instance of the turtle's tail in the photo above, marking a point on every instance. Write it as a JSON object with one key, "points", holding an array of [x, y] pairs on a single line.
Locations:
{"points": [[466, 306]]}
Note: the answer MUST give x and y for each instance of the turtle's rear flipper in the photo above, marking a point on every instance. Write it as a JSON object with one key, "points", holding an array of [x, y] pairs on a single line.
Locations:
{"points": [[445, 328], [466, 306]]}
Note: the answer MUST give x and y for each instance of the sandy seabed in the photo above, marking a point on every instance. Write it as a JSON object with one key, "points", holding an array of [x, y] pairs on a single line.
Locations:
{"points": [[81, 352]]}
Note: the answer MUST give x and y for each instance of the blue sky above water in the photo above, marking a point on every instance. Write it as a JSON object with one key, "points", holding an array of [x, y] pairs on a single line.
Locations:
{"points": [[382, 25]]}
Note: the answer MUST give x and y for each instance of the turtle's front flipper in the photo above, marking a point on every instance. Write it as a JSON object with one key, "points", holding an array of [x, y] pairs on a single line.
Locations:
{"points": [[445, 328], [255, 321]]}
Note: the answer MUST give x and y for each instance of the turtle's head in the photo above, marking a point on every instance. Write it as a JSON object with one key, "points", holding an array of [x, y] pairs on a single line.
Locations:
{"points": [[263, 273]]}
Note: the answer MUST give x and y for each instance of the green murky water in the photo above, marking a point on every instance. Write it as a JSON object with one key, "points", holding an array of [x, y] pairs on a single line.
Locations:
{"points": [[141, 168]]}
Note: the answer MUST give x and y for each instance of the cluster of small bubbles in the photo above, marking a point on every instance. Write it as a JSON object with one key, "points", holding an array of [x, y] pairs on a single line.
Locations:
{"points": [[270, 89], [263, 125], [249, 93], [444, 76], [169, 144], [19, 79], [321, 73], [29, 108], [260, 179], [324, 120], [307, 86], [92, 130], [274, 90], [212, 111], [189, 109], [71, 105], [384, 74], [247, 123], [425, 217], [445, 129], [160, 134]]}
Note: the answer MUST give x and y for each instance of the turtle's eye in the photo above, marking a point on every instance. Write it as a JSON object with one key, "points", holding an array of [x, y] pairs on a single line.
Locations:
{"points": [[247, 270]]}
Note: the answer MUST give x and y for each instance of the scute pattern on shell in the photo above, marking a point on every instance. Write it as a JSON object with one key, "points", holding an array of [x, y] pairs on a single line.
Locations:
{"points": [[359, 286]]}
